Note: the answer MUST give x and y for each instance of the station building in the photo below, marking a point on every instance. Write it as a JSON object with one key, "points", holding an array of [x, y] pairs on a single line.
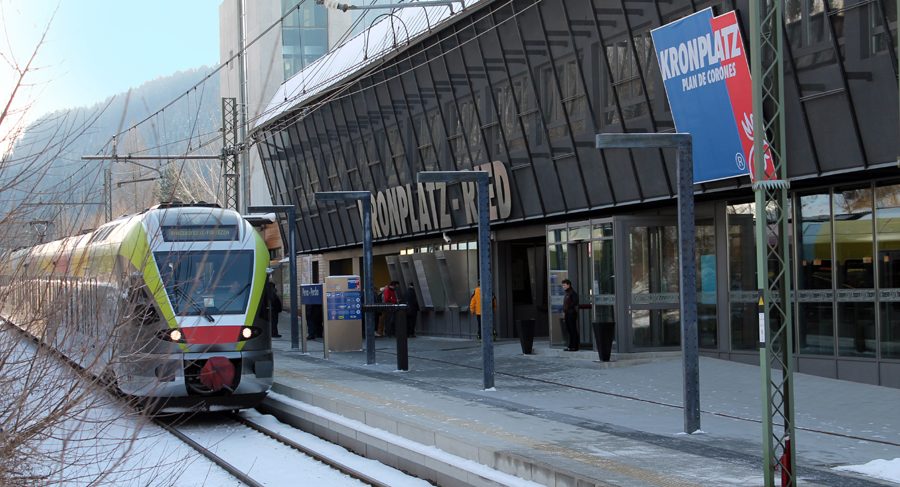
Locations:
{"points": [[520, 88]]}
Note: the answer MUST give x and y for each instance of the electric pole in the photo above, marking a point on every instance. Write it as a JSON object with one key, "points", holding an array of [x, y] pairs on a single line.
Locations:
{"points": [[773, 266]]}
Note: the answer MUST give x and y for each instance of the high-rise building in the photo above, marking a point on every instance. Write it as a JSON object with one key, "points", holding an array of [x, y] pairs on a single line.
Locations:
{"points": [[302, 37]]}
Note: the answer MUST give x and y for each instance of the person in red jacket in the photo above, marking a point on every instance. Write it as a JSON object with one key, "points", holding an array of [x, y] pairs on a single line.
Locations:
{"points": [[390, 297]]}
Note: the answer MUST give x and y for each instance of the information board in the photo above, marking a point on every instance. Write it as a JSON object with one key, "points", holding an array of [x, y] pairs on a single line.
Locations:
{"points": [[344, 305]]}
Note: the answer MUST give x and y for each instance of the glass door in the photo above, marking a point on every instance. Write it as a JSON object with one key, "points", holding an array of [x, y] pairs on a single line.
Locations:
{"points": [[651, 284]]}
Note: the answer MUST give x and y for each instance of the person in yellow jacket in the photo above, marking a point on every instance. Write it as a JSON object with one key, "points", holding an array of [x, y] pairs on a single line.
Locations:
{"points": [[475, 307]]}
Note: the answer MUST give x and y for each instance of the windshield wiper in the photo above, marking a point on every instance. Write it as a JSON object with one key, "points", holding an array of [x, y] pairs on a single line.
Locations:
{"points": [[191, 301]]}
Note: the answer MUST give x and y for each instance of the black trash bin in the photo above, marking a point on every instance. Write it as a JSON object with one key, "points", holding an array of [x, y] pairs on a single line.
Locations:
{"points": [[526, 335], [604, 332]]}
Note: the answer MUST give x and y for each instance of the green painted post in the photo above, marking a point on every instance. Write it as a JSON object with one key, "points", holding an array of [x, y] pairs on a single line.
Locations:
{"points": [[772, 258]]}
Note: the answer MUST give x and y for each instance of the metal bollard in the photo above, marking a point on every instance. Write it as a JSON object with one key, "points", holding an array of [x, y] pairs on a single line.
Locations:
{"points": [[400, 332]]}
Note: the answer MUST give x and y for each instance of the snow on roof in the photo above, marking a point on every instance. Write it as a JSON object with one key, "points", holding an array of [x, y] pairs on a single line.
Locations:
{"points": [[369, 47]]}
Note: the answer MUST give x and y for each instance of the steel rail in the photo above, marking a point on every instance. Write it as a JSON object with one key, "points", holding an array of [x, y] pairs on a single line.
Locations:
{"points": [[331, 462], [210, 455]]}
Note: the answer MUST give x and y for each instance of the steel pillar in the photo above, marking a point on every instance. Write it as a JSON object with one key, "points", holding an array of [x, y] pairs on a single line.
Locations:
{"points": [[484, 259], [292, 265], [364, 199], [773, 265], [230, 162], [682, 142]]}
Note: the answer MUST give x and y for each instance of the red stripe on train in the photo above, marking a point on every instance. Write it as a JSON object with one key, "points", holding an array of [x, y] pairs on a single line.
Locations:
{"points": [[209, 335]]}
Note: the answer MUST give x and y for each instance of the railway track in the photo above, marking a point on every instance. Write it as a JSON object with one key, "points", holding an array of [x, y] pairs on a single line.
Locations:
{"points": [[255, 435]]}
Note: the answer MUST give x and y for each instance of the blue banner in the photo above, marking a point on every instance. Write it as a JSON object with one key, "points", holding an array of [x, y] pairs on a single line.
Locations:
{"points": [[703, 64], [311, 294]]}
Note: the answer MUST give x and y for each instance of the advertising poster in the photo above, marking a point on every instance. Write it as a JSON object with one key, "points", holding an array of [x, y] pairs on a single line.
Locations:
{"points": [[703, 63]]}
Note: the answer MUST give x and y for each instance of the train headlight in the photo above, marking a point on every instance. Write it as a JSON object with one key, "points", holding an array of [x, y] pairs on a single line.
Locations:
{"points": [[171, 335], [175, 335], [248, 332]]}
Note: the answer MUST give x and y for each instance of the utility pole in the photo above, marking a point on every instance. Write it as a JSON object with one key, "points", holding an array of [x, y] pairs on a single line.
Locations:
{"points": [[773, 266], [242, 110], [231, 148], [230, 152], [107, 192]]}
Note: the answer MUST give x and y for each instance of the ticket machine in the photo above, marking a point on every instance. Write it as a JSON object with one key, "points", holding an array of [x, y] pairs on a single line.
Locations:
{"points": [[343, 314]]}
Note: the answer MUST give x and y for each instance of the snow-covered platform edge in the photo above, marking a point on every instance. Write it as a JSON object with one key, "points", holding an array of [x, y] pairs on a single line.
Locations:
{"points": [[412, 450]]}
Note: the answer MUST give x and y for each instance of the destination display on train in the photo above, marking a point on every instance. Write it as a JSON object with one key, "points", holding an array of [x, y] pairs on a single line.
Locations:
{"points": [[200, 233]]}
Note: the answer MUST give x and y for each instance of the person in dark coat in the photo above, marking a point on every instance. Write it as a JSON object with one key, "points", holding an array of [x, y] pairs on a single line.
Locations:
{"points": [[412, 310], [570, 314], [273, 304], [314, 324]]}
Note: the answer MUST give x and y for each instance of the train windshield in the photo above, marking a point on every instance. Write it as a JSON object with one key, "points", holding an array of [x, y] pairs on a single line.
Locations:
{"points": [[207, 282]]}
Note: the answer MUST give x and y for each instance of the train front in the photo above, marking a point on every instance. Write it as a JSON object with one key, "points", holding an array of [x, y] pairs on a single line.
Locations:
{"points": [[211, 349]]}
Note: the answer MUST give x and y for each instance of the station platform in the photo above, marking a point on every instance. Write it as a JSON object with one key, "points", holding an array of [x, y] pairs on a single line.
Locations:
{"points": [[564, 419]]}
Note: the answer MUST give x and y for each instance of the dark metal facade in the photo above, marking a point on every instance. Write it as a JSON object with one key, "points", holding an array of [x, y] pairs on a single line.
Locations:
{"points": [[529, 83]]}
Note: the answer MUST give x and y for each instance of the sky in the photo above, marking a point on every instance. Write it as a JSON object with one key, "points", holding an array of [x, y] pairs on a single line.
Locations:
{"points": [[98, 48]]}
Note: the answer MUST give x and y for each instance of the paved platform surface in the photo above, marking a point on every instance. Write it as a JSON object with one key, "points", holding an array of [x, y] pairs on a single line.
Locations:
{"points": [[563, 418]]}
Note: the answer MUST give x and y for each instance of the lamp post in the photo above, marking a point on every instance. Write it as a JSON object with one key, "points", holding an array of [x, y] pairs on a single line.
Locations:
{"points": [[688, 276], [484, 258], [292, 265], [366, 198]]}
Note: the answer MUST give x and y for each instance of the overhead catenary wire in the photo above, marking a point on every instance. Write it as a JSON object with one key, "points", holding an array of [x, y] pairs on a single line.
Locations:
{"points": [[346, 90]]}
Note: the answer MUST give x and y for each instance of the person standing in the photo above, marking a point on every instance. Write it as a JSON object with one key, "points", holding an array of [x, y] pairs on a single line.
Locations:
{"points": [[379, 316], [475, 307], [390, 297], [274, 306], [570, 314], [412, 310]]}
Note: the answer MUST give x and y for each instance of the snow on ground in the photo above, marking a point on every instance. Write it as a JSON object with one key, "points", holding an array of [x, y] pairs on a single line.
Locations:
{"points": [[104, 442], [880, 469], [78, 434], [427, 451], [386, 474]]}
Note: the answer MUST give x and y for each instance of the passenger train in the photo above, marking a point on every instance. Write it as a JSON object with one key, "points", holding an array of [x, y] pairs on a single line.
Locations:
{"points": [[165, 304]]}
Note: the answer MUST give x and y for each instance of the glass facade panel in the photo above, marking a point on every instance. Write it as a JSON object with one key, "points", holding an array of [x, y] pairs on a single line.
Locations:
{"points": [[706, 285], [742, 285], [656, 327], [604, 280], [304, 35], [603, 230], [855, 278], [890, 330], [853, 238], [815, 319], [856, 329], [887, 231]]}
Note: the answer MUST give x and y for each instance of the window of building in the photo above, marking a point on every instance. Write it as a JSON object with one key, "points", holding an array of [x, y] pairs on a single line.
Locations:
{"points": [[508, 117], [806, 21], [573, 97], [742, 286], [887, 231], [879, 37], [815, 297], [304, 35], [854, 271], [625, 83]]}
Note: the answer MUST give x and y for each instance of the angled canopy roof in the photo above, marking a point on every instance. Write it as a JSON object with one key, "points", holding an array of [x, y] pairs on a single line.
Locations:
{"points": [[368, 48]]}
